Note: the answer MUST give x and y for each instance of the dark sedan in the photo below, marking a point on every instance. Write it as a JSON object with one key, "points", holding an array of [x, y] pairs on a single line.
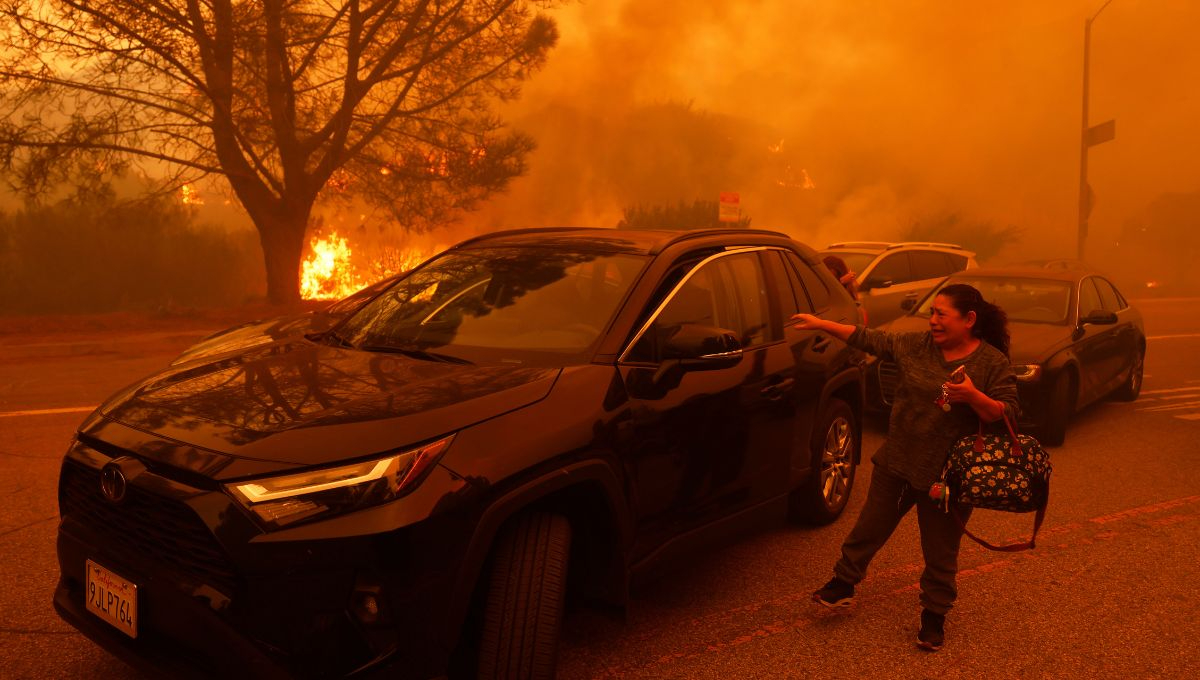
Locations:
{"points": [[527, 418], [1075, 340]]}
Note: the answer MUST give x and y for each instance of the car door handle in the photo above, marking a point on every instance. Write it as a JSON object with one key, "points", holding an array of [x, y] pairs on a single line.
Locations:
{"points": [[778, 390], [822, 343]]}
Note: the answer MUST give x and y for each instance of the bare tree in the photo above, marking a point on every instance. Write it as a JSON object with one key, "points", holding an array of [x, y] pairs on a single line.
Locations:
{"points": [[291, 101]]}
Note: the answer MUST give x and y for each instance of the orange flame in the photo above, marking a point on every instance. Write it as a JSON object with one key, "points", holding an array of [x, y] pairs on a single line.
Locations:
{"points": [[326, 274], [189, 196], [330, 272]]}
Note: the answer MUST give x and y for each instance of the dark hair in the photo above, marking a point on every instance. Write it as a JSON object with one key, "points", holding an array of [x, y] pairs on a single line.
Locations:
{"points": [[991, 322], [836, 265]]}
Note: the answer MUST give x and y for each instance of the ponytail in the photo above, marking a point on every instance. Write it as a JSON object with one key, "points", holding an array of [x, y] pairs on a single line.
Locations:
{"points": [[991, 322]]}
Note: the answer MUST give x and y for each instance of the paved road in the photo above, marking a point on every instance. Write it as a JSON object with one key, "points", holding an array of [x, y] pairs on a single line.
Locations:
{"points": [[1111, 591]]}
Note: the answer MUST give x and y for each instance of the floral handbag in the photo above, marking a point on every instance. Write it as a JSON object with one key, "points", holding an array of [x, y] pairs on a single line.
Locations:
{"points": [[996, 472]]}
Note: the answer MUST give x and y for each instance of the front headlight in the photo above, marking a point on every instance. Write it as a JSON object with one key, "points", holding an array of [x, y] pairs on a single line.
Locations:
{"points": [[1028, 372], [286, 499]]}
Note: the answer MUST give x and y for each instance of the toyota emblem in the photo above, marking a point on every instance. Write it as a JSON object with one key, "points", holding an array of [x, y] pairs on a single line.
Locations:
{"points": [[112, 483]]}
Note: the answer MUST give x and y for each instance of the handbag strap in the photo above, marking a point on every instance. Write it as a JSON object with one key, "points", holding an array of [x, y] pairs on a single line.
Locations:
{"points": [[1012, 432], [1012, 547]]}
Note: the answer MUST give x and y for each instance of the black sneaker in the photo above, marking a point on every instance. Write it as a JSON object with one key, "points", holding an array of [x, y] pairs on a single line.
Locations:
{"points": [[837, 593], [933, 631]]}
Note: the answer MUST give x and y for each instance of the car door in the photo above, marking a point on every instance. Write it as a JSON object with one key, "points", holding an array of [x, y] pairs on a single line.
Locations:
{"points": [[814, 354], [886, 285], [1124, 344], [1095, 347], [699, 445]]}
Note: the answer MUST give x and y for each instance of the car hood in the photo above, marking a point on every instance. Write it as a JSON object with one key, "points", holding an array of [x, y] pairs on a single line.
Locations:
{"points": [[304, 403], [254, 333], [1030, 343]]}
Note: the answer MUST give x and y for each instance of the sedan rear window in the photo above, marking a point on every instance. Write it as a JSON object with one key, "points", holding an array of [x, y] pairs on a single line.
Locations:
{"points": [[1025, 300]]}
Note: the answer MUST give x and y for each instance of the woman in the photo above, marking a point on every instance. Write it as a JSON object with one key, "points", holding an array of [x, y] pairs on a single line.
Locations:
{"points": [[929, 413]]}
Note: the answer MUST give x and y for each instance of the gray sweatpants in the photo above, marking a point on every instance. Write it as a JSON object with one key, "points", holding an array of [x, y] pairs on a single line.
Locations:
{"points": [[888, 500]]}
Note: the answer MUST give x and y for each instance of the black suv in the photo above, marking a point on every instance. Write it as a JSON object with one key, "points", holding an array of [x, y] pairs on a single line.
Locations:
{"points": [[528, 417]]}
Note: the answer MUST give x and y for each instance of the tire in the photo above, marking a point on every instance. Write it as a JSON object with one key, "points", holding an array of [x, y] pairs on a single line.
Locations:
{"points": [[1132, 387], [835, 448], [1059, 407], [523, 609]]}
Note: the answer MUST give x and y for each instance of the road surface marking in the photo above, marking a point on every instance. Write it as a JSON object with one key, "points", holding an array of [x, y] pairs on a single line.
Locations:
{"points": [[1190, 394], [1172, 407], [47, 411], [1173, 389], [1171, 337]]}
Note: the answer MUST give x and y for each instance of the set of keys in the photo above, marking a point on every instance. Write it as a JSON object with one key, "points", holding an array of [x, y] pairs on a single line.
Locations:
{"points": [[956, 376]]}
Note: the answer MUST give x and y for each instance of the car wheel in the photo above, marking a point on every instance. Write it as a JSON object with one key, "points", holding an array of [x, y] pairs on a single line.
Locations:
{"points": [[1132, 387], [834, 453], [1059, 408], [523, 610]]}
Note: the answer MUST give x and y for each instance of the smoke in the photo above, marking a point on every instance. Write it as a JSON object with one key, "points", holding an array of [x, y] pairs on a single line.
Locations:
{"points": [[889, 111]]}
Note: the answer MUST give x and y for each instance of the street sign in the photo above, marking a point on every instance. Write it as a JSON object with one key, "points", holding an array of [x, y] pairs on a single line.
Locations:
{"points": [[729, 210], [1104, 132]]}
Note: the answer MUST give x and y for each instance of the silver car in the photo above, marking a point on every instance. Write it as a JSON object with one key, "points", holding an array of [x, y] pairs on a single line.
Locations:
{"points": [[888, 273]]}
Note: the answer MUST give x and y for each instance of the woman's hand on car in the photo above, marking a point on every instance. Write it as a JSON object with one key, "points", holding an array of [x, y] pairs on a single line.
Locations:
{"points": [[807, 322]]}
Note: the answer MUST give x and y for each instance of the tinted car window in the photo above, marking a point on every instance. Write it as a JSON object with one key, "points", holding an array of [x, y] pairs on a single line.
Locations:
{"points": [[1089, 299], [928, 264], [894, 268], [728, 293], [957, 262], [814, 285], [791, 296], [749, 291], [1108, 296], [532, 298]]}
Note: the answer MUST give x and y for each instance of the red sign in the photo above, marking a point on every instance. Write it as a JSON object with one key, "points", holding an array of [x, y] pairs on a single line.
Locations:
{"points": [[729, 210]]}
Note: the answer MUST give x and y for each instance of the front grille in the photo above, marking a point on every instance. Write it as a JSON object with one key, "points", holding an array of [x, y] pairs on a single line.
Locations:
{"points": [[889, 374], [146, 525]]}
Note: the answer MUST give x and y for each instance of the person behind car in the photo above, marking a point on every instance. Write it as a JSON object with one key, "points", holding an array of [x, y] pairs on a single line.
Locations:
{"points": [[841, 272], [964, 330], [846, 276]]}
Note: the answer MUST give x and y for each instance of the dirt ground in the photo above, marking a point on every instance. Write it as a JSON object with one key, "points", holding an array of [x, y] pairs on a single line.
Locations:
{"points": [[72, 327]]}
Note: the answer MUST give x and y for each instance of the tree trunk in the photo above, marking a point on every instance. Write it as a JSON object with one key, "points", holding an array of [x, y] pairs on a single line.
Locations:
{"points": [[283, 245]]}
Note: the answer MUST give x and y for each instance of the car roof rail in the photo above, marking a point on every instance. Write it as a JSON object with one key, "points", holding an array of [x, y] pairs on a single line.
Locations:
{"points": [[511, 232], [860, 244], [926, 244], [687, 234]]}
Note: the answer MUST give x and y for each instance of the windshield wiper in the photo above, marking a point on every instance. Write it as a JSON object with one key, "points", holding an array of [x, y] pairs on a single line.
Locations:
{"points": [[330, 337], [415, 353]]}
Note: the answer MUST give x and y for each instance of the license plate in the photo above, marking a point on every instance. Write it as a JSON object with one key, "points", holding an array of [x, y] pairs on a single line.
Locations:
{"points": [[112, 598]]}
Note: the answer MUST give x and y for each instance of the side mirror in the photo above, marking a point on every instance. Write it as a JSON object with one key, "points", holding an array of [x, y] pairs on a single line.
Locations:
{"points": [[702, 348], [908, 303], [1099, 317]]}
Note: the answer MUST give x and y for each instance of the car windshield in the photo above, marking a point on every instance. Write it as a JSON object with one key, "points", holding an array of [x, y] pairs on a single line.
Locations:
{"points": [[857, 262], [1023, 299], [506, 304]]}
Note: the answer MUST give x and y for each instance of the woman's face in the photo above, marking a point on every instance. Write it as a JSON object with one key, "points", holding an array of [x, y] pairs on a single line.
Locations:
{"points": [[947, 325]]}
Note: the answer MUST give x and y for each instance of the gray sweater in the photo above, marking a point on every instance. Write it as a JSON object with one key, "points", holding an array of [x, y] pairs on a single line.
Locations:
{"points": [[920, 433]]}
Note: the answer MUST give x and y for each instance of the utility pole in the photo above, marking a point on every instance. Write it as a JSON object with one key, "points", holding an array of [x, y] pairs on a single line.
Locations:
{"points": [[1089, 136]]}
